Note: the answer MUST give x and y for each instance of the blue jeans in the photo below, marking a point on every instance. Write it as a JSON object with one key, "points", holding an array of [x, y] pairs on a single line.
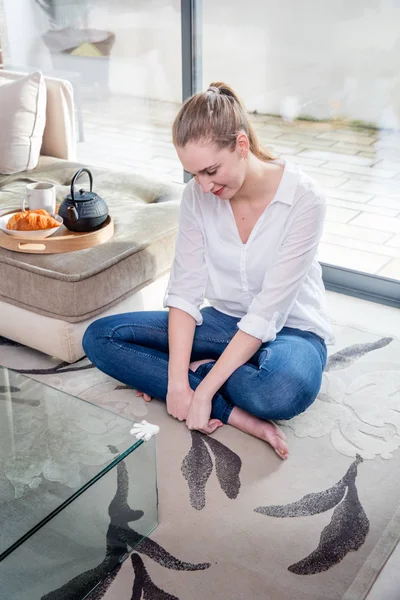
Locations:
{"points": [[280, 381]]}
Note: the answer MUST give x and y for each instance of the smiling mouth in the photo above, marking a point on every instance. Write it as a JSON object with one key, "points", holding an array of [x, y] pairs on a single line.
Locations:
{"points": [[217, 192]]}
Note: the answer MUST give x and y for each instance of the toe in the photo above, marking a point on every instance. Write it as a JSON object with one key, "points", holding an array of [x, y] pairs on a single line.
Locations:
{"points": [[281, 449], [279, 431], [281, 454]]}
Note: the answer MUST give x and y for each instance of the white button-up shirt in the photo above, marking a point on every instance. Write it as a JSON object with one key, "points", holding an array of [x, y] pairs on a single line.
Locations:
{"points": [[271, 281]]}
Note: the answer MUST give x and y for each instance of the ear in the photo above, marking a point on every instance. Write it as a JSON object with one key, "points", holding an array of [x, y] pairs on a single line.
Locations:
{"points": [[242, 143]]}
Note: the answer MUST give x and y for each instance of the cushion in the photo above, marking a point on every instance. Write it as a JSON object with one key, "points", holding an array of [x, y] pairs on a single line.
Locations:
{"points": [[22, 122], [75, 286], [59, 131]]}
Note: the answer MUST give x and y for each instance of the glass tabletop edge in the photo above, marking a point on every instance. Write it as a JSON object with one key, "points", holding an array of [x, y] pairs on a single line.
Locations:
{"points": [[69, 500]]}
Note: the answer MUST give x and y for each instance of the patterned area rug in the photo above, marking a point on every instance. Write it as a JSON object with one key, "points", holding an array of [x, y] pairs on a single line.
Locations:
{"points": [[238, 523]]}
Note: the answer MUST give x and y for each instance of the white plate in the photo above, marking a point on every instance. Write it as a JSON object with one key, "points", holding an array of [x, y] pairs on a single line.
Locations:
{"points": [[35, 234]]}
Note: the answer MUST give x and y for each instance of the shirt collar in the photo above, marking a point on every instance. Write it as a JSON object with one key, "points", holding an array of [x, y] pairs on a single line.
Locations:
{"points": [[288, 183]]}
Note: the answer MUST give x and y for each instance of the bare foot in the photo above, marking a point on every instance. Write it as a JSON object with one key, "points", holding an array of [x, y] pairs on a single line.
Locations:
{"points": [[264, 430], [146, 397], [193, 365]]}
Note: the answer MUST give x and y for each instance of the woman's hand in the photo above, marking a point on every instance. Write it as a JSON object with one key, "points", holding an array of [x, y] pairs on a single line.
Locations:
{"points": [[199, 413], [179, 398]]}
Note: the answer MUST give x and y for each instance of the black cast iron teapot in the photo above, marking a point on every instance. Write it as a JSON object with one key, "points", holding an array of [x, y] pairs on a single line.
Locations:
{"points": [[83, 211]]}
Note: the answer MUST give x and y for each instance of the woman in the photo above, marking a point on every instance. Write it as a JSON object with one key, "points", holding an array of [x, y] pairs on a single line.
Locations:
{"points": [[248, 236]]}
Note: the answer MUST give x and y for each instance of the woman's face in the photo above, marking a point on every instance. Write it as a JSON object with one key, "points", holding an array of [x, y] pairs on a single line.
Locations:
{"points": [[221, 172]]}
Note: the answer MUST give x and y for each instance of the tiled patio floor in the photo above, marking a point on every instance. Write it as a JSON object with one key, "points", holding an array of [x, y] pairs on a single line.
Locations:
{"points": [[359, 170]]}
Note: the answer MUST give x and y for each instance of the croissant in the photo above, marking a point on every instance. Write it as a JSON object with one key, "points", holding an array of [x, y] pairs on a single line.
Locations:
{"points": [[15, 218], [39, 211], [31, 220]]}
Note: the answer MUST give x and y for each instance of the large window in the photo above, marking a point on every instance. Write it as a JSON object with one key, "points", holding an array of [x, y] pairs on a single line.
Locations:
{"points": [[321, 80], [323, 83]]}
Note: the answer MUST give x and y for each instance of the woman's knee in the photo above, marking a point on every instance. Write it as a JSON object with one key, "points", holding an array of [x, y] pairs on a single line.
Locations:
{"points": [[299, 393], [292, 375], [284, 395], [136, 327], [94, 333]]}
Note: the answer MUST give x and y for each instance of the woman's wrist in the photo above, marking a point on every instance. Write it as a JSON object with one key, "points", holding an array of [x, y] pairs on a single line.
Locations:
{"points": [[178, 383], [202, 394]]}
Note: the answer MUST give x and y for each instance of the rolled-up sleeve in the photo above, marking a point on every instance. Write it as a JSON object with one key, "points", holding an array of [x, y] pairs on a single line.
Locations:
{"points": [[188, 278], [270, 308]]}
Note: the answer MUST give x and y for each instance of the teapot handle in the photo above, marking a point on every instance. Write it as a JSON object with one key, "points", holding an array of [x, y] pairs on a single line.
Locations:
{"points": [[75, 177]]}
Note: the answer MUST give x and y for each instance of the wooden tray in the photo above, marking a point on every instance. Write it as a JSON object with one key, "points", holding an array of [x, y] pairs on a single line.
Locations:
{"points": [[61, 241]]}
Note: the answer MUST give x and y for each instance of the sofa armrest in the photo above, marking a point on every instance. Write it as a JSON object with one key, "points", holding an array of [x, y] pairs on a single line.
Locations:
{"points": [[59, 133]]}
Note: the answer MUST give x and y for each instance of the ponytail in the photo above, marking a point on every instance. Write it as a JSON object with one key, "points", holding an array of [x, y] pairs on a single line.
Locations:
{"points": [[217, 115]]}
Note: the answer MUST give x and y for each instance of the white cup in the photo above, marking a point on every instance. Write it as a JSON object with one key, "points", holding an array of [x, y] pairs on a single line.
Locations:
{"points": [[40, 195]]}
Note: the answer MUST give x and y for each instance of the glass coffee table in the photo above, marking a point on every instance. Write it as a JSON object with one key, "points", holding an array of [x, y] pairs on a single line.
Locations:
{"points": [[77, 491]]}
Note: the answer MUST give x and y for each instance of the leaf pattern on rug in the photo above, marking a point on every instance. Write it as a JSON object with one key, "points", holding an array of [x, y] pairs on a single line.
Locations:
{"points": [[357, 412], [346, 531], [345, 357], [165, 559], [144, 585], [197, 467], [227, 467], [84, 583], [5, 389], [6, 342], [120, 514], [62, 367], [310, 504], [120, 540], [103, 586]]}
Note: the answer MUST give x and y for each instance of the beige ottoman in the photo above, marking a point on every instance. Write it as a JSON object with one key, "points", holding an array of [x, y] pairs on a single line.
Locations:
{"points": [[46, 302]]}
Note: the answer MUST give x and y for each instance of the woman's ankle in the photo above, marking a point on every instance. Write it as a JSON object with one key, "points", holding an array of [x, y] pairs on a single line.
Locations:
{"points": [[263, 430]]}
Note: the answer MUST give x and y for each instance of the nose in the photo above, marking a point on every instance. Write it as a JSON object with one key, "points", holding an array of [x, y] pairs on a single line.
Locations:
{"points": [[205, 183]]}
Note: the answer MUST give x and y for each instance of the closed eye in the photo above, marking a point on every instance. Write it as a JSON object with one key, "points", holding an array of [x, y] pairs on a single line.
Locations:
{"points": [[209, 173]]}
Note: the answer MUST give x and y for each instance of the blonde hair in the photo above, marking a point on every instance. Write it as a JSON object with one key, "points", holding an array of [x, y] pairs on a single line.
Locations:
{"points": [[217, 116]]}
